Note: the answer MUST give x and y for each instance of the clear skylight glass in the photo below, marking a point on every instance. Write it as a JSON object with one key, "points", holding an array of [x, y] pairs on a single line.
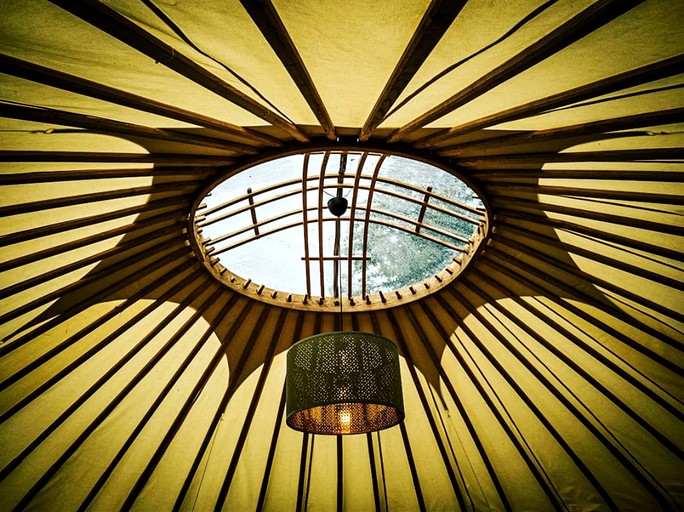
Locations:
{"points": [[406, 221]]}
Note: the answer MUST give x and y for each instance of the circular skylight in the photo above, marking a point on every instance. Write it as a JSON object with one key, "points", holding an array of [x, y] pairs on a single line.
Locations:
{"points": [[410, 227]]}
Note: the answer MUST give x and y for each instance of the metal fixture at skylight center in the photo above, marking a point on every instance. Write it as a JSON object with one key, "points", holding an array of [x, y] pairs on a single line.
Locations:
{"points": [[343, 382]]}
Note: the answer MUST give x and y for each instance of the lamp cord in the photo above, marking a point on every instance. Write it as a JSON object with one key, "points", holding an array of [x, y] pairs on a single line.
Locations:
{"points": [[339, 276]]}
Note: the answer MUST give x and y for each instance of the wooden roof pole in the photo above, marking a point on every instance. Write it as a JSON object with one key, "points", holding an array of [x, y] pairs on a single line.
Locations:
{"points": [[590, 19], [662, 69], [110, 21], [266, 18], [53, 78], [434, 24]]}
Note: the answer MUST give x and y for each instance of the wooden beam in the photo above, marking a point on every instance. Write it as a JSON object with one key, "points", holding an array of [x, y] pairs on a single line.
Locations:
{"points": [[271, 26], [590, 19], [169, 206], [305, 222], [447, 336], [667, 310], [109, 126], [96, 276], [661, 117], [279, 419], [403, 344], [36, 362], [523, 206], [366, 223], [88, 156], [53, 78], [616, 155], [433, 195], [337, 270], [567, 400], [352, 223], [520, 232], [252, 211], [373, 471], [611, 360], [132, 230], [247, 349], [578, 192], [532, 277], [116, 25], [78, 200], [507, 216], [402, 226], [423, 208], [434, 24], [319, 220], [200, 386], [130, 247], [357, 186], [338, 258], [24, 178], [634, 77], [254, 402], [171, 382], [491, 176], [152, 289]]}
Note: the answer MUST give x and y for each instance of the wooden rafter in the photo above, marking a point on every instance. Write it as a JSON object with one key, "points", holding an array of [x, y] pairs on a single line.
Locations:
{"points": [[89, 156], [271, 26], [144, 224], [25, 178], [206, 221], [352, 221], [525, 248], [590, 19], [508, 216], [61, 202], [110, 126], [636, 196], [305, 222], [634, 77], [53, 78], [319, 220], [435, 22], [597, 256], [366, 223], [207, 372], [423, 208], [182, 269], [130, 247], [337, 270], [159, 257], [415, 229], [492, 175], [534, 278], [523, 205], [660, 117], [615, 155], [110, 21], [624, 368], [169, 205]]}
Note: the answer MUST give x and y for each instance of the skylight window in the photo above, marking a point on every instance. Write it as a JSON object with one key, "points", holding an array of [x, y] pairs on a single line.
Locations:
{"points": [[266, 230]]}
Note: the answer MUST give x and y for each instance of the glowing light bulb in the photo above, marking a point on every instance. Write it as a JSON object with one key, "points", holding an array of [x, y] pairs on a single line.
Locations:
{"points": [[344, 417]]}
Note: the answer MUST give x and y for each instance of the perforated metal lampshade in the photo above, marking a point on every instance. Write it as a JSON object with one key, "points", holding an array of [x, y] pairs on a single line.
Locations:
{"points": [[343, 383]]}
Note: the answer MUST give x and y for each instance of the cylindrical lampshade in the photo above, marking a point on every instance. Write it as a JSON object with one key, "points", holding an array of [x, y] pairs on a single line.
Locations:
{"points": [[343, 383]]}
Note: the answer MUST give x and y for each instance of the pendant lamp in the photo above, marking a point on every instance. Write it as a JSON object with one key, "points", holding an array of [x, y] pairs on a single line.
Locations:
{"points": [[343, 382]]}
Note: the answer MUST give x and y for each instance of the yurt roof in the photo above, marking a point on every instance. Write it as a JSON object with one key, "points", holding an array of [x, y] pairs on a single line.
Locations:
{"points": [[541, 370]]}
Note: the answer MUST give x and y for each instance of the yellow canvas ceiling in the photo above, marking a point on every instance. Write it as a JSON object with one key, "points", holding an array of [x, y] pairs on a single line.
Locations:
{"points": [[545, 376]]}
